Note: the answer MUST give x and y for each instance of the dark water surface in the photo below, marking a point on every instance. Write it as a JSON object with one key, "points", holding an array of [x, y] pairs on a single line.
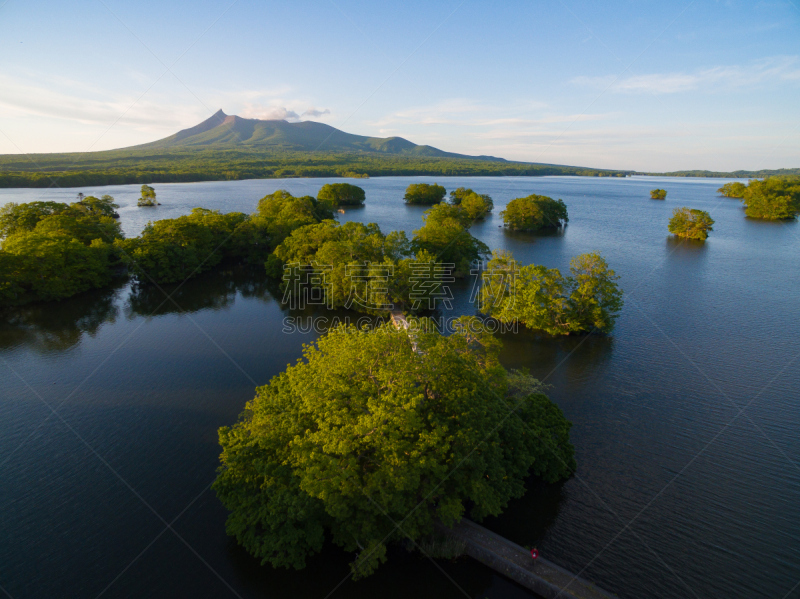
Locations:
{"points": [[686, 421]]}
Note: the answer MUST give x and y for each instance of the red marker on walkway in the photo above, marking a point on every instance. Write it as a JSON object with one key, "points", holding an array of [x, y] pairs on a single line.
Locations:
{"points": [[534, 555]]}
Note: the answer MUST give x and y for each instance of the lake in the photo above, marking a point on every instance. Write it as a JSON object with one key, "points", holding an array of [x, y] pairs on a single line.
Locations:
{"points": [[686, 421]]}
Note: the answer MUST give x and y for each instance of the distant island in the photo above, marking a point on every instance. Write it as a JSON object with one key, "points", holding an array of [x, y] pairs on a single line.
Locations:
{"points": [[760, 174], [228, 147]]}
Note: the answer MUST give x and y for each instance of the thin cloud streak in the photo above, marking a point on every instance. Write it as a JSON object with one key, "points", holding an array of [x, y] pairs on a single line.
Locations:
{"points": [[782, 68]]}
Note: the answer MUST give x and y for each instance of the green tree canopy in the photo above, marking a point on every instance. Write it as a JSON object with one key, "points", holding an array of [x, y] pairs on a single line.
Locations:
{"points": [[342, 194], [359, 267], [734, 189], [690, 223], [534, 212], [52, 250], [476, 206], [175, 249], [774, 198], [82, 226], [364, 432], [424, 193], [103, 206], [148, 197], [658, 194], [283, 213], [543, 299], [15, 218], [457, 196], [49, 265], [445, 236]]}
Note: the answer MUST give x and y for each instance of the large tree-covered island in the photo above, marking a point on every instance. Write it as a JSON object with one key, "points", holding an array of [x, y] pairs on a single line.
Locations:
{"points": [[366, 432], [774, 198]]}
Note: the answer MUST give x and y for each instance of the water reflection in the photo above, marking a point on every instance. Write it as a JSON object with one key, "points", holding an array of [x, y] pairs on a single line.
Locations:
{"points": [[214, 290], [577, 357], [532, 236], [528, 518], [685, 247], [47, 327]]}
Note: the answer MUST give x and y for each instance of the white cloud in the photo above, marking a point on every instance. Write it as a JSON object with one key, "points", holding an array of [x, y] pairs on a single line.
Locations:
{"points": [[464, 113], [24, 97], [280, 113], [780, 68]]}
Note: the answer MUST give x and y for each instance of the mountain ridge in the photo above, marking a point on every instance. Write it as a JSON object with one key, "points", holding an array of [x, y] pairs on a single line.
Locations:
{"points": [[221, 130]]}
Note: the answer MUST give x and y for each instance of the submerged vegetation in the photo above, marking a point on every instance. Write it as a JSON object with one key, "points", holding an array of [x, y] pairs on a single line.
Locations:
{"points": [[690, 223], [364, 431]]}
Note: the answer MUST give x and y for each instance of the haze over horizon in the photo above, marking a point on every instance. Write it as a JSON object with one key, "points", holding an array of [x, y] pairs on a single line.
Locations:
{"points": [[649, 87]]}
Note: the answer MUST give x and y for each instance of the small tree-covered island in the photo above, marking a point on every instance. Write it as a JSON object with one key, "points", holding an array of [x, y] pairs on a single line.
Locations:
{"points": [[535, 212], [365, 432], [342, 194], [658, 194], [148, 197], [690, 223], [424, 194]]}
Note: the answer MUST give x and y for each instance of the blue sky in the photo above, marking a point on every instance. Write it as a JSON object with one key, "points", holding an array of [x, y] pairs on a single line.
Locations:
{"points": [[633, 85]]}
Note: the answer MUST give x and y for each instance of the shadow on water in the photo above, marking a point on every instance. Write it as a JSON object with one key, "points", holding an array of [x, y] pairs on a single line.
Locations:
{"points": [[214, 290], [574, 357], [527, 519], [532, 236], [687, 248], [47, 327]]}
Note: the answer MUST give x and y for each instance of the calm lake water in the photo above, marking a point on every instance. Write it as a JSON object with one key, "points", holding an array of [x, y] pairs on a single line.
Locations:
{"points": [[686, 420]]}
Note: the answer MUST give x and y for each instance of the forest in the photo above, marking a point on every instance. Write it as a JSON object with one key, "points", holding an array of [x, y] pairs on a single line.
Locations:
{"points": [[140, 166]]}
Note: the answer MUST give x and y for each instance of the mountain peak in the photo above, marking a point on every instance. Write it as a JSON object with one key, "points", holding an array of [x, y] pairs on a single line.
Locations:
{"points": [[221, 131]]}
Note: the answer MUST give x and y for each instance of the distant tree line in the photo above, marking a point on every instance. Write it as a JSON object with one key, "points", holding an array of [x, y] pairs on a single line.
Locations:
{"points": [[121, 167]]}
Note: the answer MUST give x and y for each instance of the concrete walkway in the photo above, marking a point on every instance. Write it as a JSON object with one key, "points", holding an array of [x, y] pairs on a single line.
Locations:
{"points": [[515, 562]]}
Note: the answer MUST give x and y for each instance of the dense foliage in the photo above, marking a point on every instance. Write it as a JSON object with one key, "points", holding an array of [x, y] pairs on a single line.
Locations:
{"points": [[424, 194], [148, 197], [690, 223], [175, 249], [52, 250], [445, 236], [734, 189], [342, 194], [543, 299], [475, 205], [774, 198], [534, 212], [658, 194], [356, 266], [364, 432], [117, 167]]}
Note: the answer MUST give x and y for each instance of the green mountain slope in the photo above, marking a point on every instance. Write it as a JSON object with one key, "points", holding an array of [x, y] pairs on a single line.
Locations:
{"points": [[227, 147], [229, 131]]}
